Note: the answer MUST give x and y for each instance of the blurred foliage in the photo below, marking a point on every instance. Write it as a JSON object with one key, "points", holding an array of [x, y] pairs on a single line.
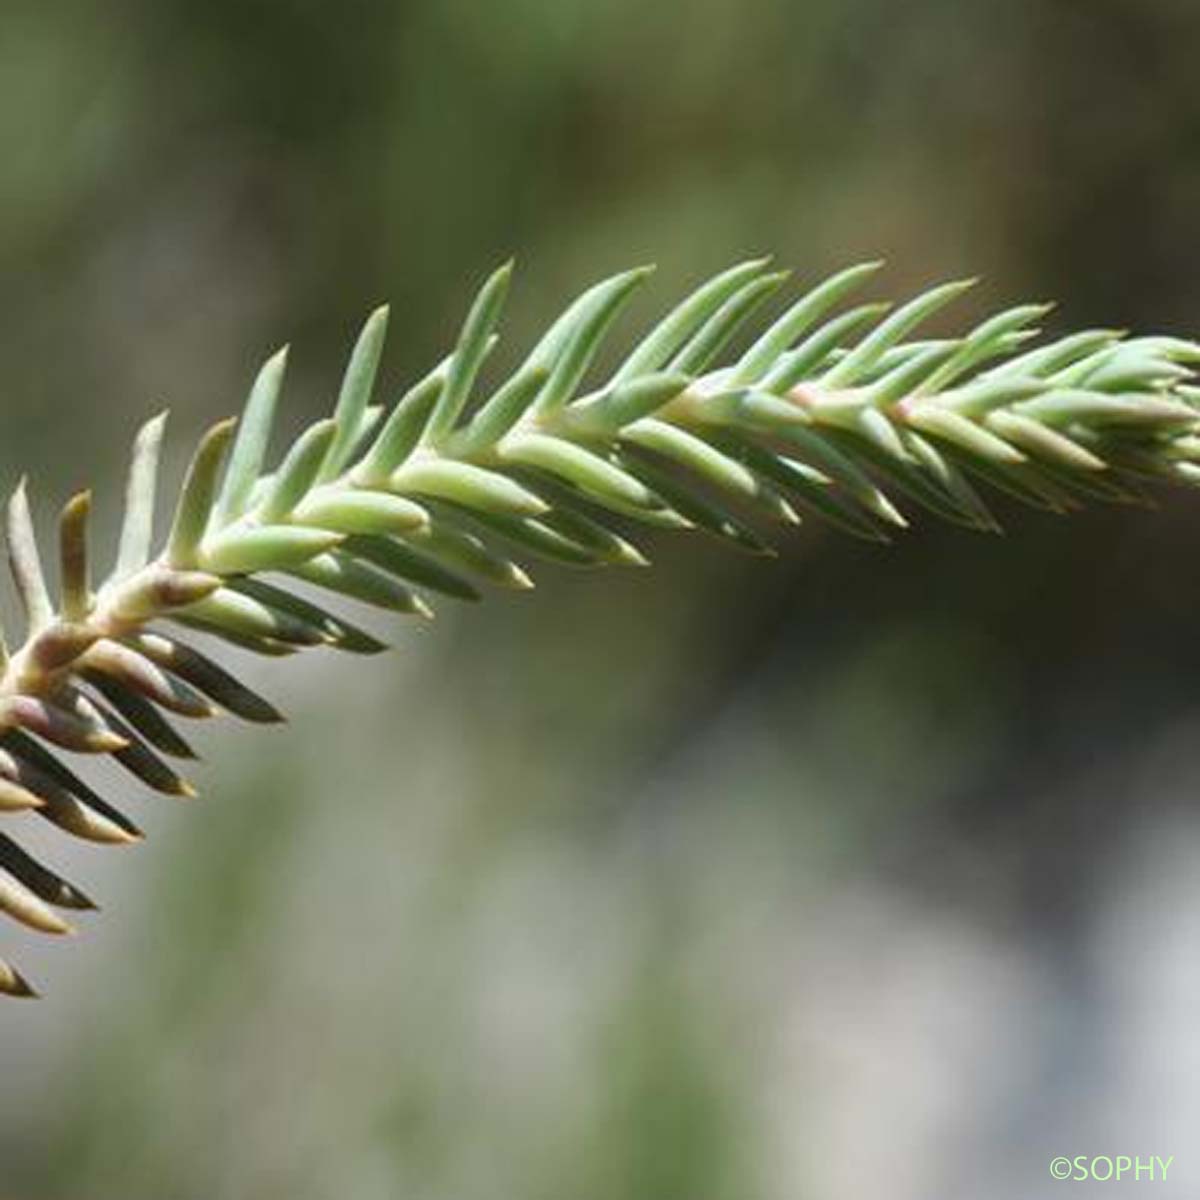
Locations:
{"points": [[660, 887]]}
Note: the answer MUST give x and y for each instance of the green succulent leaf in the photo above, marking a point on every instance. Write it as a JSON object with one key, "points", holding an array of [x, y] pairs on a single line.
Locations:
{"points": [[241, 551], [469, 354], [137, 526], [291, 483], [348, 572], [661, 344], [351, 414], [195, 505], [250, 446]]}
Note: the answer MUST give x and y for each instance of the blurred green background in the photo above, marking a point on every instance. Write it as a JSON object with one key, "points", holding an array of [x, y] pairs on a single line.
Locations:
{"points": [[860, 873]]}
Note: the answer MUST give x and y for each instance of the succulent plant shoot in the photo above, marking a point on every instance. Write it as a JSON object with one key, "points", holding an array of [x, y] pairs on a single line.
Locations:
{"points": [[833, 409]]}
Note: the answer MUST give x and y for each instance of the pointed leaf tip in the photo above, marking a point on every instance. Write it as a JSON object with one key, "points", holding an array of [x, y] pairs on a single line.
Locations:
{"points": [[73, 556], [13, 983], [25, 560]]}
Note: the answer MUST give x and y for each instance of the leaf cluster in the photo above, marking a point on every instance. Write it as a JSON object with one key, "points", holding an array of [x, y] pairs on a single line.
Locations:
{"points": [[834, 409]]}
